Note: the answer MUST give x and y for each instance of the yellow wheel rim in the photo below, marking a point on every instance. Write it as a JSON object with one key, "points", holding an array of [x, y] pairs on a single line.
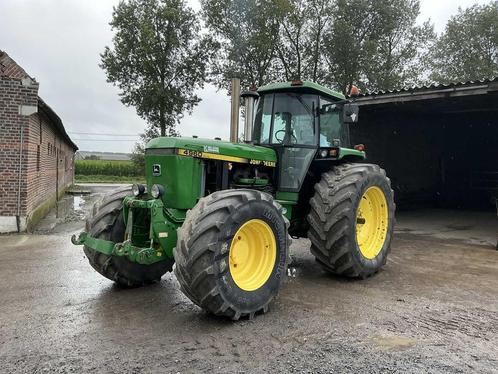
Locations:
{"points": [[252, 254], [372, 219]]}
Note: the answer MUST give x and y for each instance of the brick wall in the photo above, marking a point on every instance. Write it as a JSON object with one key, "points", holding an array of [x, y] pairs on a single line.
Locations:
{"points": [[50, 165], [13, 94], [46, 161]]}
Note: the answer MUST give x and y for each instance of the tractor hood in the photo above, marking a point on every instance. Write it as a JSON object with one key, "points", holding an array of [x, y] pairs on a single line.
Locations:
{"points": [[215, 149]]}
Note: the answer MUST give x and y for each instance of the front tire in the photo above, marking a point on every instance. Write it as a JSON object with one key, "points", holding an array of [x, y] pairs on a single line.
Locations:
{"points": [[107, 223], [232, 252], [352, 220]]}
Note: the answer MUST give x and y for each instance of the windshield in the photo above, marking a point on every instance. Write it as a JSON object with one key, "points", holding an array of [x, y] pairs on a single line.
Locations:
{"points": [[293, 119]]}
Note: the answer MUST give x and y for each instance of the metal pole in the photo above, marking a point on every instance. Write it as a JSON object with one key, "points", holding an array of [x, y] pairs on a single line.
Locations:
{"points": [[234, 114]]}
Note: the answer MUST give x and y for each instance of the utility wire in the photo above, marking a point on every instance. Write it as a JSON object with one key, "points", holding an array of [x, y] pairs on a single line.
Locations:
{"points": [[105, 140], [95, 133]]}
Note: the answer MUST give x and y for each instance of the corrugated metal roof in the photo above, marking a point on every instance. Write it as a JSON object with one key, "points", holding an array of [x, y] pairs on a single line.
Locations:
{"points": [[431, 87]]}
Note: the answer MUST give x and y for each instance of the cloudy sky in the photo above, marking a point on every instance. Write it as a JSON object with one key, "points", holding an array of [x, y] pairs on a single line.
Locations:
{"points": [[58, 42]]}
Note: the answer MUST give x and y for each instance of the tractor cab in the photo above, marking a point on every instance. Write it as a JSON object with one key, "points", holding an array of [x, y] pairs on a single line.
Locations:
{"points": [[302, 122]]}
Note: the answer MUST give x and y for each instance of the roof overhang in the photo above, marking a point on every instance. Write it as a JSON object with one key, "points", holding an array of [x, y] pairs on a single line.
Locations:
{"points": [[56, 122], [428, 93]]}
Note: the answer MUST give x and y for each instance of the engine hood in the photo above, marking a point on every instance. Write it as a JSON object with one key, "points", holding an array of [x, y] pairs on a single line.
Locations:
{"points": [[214, 149]]}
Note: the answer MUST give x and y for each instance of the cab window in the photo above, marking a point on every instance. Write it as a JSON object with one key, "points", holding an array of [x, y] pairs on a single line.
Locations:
{"points": [[263, 119], [332, 131], [294, 120]]}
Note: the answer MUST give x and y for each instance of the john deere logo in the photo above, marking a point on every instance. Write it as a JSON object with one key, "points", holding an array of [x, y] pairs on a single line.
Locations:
{"points": [[156, 170]]}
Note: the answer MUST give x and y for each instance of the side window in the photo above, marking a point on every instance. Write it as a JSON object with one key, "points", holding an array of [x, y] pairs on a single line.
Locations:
{"points": [[331, 128], [263, 117]]}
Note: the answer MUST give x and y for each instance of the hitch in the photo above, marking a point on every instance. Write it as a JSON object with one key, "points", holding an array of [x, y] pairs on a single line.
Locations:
{"points": [[144, 256]]}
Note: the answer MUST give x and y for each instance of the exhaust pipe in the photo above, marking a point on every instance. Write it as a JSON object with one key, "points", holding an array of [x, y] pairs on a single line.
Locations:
{"points": [[250, 98], [234, 114]]}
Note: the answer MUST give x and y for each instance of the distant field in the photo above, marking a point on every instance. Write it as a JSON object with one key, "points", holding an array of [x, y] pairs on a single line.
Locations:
{"points": [[108, 179], [103, 167], [104, 171]]}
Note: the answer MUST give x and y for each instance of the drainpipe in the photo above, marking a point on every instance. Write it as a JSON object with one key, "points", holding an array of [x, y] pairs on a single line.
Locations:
{"points": [[18, 216], [234, 114]]}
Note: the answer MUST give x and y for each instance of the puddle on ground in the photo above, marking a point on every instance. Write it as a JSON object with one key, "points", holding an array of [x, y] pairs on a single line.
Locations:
{"points": [[71, 207], [78, 202], [393, 342]]}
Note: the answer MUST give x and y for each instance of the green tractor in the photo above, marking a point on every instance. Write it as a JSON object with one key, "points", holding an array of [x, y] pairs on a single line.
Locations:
{"points": [[223, 212]]}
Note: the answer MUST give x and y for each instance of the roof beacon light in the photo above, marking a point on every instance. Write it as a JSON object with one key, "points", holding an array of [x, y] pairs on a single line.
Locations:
{"points": [[360, 147], [354, 91], [296, 82]]}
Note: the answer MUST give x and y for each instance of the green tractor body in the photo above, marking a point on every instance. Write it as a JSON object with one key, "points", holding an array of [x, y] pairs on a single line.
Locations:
{"points": [[224, 211]]}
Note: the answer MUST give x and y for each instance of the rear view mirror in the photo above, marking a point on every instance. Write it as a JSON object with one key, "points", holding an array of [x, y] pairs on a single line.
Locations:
{"points": [[350, 113]]}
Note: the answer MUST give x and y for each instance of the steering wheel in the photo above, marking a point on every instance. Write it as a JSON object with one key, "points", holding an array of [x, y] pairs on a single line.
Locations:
{"points": [[282, 140]]}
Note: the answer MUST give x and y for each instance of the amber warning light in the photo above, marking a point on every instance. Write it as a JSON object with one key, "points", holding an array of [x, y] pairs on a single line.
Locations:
{"points": [[354, 91], [360, 147]]}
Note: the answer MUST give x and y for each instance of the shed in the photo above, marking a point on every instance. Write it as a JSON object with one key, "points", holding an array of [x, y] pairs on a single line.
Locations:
{"points": [[438, 143]]}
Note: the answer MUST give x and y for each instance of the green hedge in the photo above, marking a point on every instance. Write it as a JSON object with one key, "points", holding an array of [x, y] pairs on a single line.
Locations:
{"points": [[103, 167]]}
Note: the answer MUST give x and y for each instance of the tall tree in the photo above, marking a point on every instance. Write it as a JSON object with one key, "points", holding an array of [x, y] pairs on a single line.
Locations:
{"points": [[376, 44], [246, 32], [468, 48], [350, 41], [157, 60], [400, 46], [301, 37]]}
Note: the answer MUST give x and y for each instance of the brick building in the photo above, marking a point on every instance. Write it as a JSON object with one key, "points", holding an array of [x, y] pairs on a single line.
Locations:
{"points": [[36, 154]]}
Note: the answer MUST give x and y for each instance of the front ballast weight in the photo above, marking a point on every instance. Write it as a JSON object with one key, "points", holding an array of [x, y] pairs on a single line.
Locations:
{"points": [[161, 234]]}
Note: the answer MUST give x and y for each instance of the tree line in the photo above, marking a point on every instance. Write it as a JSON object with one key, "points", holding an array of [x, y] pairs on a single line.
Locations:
{"points": [[163, 51]]}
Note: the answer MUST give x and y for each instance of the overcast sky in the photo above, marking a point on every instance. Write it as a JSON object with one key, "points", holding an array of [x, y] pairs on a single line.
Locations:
{"points": [[58, 42]]}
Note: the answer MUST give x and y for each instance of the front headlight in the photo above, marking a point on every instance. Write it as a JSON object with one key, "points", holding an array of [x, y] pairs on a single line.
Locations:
{"points": [[138, 189], [157, 191]]}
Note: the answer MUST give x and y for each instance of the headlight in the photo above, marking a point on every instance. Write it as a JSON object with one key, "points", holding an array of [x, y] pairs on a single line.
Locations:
{"points": [[324, 153], [157, 191], [138, 189]]}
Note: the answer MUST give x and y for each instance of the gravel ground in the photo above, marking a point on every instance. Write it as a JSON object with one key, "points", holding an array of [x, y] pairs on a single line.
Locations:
{"points": [[434, 308]]}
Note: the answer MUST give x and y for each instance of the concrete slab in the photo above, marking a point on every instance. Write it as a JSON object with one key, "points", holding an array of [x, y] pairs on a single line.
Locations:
{"points": [[472, 227], [432, 309]]}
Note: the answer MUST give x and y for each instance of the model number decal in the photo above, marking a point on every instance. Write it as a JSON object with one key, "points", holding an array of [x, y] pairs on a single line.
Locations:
{"points": [[188, 152]]}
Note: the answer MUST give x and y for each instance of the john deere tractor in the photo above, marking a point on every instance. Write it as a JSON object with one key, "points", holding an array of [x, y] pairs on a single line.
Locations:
{"points": [[222, 213]]}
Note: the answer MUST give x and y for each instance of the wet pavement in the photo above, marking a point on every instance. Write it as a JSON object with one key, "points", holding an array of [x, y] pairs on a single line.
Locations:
{"points": [[434, 308]]}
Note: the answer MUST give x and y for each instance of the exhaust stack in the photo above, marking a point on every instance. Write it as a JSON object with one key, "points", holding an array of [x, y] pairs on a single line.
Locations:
{"points": [[234, 114], [249, 100]]}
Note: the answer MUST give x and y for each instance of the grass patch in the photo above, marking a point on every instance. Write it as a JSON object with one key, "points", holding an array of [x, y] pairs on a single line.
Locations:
{"points": [[108, 179]]}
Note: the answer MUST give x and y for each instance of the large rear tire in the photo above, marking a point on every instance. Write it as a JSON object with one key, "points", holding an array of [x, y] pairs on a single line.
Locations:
{"points": [[352, 219], [232, 252], [106, 222]]}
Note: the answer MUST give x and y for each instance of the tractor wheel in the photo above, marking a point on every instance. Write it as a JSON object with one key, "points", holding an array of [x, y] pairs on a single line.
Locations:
{"points": [[232, 253], [106, 222], [352, 219]]}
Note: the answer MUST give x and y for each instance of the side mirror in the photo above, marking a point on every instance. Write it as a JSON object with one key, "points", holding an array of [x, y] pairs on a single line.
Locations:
{"points": [[350, 113]]}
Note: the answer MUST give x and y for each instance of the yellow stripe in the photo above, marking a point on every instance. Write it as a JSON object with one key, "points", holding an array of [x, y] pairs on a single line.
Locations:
{"points": [[210, 156], [214, 156]]}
